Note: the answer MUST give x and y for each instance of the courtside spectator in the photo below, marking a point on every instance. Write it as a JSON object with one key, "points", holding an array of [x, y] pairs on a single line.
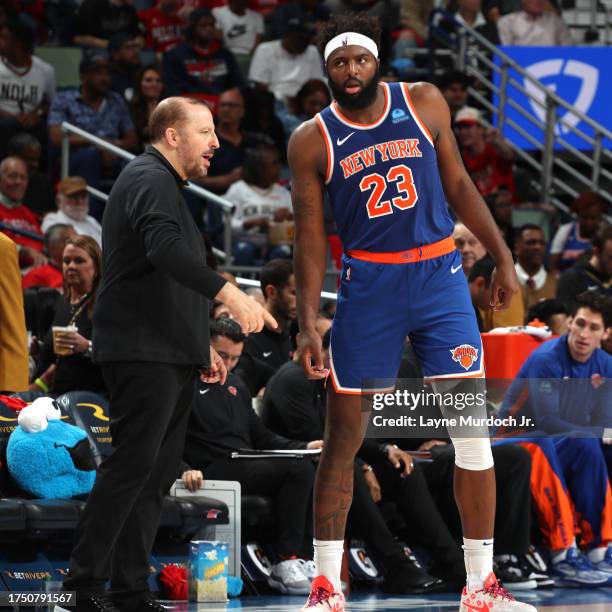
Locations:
{"points": [[574, 238], [311, 99], [73, 209], [261, 121], [533, 26], [273, 346], [414, 18], [529, 249], [28, 83], [97, 21], [148, 93], [594, 274], [163, 26], [486, 155], [94, 108], [283, 66], [15, 214], [259, 201], [222, 421], [226, 165], [551, 312], [39, 194], [479, 283], [454, 87], [13, 339], [65, 363], [200, 66], [124, 53], [50, 274], [501, 206], [242, 28]]}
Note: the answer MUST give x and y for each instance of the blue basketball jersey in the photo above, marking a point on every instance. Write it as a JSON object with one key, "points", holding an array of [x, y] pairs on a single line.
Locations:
{"points": [[382, 179]]}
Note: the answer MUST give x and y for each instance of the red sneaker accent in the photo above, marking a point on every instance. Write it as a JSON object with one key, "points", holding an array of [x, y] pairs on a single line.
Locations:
{"points": [[492, 587], [321, 590]]}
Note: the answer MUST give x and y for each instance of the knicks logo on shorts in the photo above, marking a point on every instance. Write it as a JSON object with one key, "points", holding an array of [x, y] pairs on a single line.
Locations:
{"points": [[465, 354]]}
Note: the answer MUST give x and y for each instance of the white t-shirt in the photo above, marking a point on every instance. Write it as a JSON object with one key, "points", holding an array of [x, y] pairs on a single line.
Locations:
{"points": [[282, 72], [251, 202], [21, 92], [88, 227], [239, 31]]}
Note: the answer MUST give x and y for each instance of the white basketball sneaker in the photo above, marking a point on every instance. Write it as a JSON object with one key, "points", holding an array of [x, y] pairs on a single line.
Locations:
{"points": [[323, 597], [491, 598]]}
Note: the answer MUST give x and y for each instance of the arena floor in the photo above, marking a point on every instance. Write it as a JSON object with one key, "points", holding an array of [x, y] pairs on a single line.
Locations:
{"points": [[553, 600]]}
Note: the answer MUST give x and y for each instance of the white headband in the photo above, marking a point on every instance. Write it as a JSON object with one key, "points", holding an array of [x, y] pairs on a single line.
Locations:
{"points": [[350, 38]]}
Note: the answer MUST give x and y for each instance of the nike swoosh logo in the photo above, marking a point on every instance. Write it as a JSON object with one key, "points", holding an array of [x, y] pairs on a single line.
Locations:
{"points": [[455, 270], [479, 608], [203, 391], [267, 354], [341, 142]]}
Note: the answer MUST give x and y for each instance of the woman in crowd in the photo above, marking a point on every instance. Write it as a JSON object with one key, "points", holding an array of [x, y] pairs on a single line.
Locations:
{"points": [[148, 93], [312, 98], [65, 360]]}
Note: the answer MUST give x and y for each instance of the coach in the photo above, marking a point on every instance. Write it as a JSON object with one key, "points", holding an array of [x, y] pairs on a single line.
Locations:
{"points": [[150, 338]]}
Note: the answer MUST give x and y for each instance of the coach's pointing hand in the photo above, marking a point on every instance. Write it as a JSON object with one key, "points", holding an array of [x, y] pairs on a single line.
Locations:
{"points": [[251, 315]]}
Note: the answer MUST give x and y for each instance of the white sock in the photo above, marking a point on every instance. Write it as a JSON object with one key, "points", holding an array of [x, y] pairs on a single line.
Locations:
{"points": [[478, 555], [597, 554], [328, 560]]}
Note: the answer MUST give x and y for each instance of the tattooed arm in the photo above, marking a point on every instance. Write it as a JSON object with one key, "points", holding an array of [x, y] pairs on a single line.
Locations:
{"points": [[306, 154]]}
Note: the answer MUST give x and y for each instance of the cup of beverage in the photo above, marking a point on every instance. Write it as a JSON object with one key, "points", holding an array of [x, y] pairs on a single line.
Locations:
{"points": [[58, 331]]}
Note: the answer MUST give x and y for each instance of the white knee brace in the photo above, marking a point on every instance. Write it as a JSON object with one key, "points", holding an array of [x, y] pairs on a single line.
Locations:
{"points": [[472, 445], [473, 453]]}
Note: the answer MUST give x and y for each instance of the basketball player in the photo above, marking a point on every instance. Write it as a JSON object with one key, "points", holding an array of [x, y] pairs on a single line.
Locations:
{"points": [[387, 158]]}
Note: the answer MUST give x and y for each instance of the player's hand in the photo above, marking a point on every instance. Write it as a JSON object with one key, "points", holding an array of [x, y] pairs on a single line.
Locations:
{"points": [[400, 460], [216, 372], [250, 315], [504, 284], [309, 350], [193, 479]]}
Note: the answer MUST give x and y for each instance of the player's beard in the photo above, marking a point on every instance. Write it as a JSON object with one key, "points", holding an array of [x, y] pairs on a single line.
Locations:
{"points": [[360, 100]]}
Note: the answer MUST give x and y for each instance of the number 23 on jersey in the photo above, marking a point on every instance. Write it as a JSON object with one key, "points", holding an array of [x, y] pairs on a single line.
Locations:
{"points": [[407, 196]]}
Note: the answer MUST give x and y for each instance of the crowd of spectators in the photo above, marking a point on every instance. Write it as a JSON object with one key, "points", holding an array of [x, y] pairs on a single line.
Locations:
{"points": [[256, 65]]}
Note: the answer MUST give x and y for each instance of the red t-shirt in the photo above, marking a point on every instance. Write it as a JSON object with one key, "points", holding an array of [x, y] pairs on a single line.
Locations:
{"points": [[489, 171], [163, 31], [43, 276], [21, 217]]}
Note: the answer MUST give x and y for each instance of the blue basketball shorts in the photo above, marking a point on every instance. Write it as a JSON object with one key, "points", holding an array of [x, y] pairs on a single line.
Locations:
{"points": [[381, 304]]}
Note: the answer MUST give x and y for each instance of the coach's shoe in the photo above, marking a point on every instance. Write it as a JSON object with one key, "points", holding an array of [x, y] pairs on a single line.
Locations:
{"points": [[96, 603], [605, 564], [491, 598], [288, 578], [323, 597], [577, 570], [535, 568], [512, 573]]}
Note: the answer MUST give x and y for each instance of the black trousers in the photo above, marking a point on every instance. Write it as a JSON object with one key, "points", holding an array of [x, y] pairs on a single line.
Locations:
{"points": [[425, 525], [289, 481], [366, 521], [149, 409], [513, 504]]}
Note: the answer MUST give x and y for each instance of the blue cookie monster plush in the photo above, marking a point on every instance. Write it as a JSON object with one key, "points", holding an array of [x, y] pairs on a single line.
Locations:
{"points": [[47, 457]]}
